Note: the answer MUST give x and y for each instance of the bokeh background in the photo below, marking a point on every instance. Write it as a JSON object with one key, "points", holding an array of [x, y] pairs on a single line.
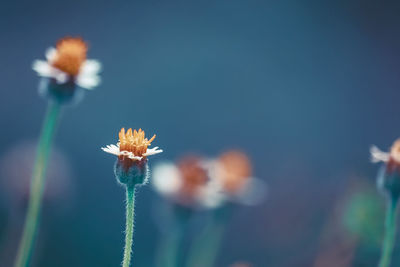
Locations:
{"points": [[303, 87]]}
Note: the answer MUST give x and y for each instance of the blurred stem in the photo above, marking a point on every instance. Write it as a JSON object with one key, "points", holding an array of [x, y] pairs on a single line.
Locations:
{"points": [[171, 250], [37, 185], [390, 233], [130, 214], [205, 247]]}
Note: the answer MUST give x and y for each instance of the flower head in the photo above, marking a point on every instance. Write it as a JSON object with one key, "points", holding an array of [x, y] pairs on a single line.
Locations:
{"points": [[389, 176], [69, 55], [132, 145], [132, 150], [186, 182], [67, 63], [231, 175], [234, 169]]}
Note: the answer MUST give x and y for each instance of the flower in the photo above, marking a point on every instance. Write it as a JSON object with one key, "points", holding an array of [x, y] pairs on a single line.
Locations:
{"points": [[132, 145], [378, 155], [67, 63], [231, 175], [186, 182], [131, 167], [233, 170], [389, 175]]}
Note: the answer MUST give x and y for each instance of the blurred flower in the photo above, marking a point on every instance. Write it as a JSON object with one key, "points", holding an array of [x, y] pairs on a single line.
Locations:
{"points": [[231, 174], [352, 233], [233, 170], [67, 63], [389, 176], [132, 151], [16, 168], [209, 182], [187, 182]]}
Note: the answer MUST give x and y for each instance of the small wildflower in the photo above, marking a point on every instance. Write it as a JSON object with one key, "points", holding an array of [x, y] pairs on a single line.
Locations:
{"points": [[132, 151], [132, 145], [67, 64], [234, 169], [231, 174], [389, 176], [187, 182]]}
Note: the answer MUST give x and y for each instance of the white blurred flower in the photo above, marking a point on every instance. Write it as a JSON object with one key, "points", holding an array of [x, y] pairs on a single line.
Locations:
{"points": [[67, 62], [186, 183]]}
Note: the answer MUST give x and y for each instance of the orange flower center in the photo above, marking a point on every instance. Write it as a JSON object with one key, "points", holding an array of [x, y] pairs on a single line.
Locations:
{"points": [[395, 151], [134, 142], [236, 169], [71, 53], [193, 175]]}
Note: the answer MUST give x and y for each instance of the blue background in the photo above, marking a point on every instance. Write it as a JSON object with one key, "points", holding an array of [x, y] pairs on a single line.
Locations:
{"points": [[303, 87]]}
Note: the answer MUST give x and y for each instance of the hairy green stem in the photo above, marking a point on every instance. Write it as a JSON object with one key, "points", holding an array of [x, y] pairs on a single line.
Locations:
{"points": [[37, 185], [390, 233], [130, 214]]}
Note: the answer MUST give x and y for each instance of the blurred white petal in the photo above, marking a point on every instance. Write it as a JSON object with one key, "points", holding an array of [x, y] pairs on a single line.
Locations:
{"points": [[42, 68], [90, 67], [378, 155], [88, 81], [51, 53], [166, 178]]}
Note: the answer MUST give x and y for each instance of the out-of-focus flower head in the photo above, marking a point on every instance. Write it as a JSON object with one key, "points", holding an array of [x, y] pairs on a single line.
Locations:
{"points": [[389, 175], [186, 182], [16, 169], [66, 67], [232, 178], [209, 182], [132, 151]]}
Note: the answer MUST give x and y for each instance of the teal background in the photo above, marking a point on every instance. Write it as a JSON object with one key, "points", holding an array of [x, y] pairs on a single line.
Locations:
{"points": [[303, 87]]}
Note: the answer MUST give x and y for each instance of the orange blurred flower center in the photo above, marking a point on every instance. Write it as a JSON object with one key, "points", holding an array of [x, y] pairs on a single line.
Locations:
{"points": [[134, 142], [71, 53], [236, 169], [193, 175], [395, 151]]}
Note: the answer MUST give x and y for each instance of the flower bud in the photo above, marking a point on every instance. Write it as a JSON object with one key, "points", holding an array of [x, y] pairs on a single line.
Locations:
{"points": [[389, 175], [60, 92], [131, 172]]}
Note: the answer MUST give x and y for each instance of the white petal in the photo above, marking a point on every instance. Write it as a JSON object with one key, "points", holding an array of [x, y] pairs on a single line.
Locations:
{"points": [[42, 68], [378, 155], [211, 195], [166, 178], [90, 66], [51, 54], [112, 149], [88, 81], [60, 76], [132, 156], [152, 151]]}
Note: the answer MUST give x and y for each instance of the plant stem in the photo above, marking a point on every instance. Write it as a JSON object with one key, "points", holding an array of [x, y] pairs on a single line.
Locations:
{"points": [[390, 233], [171, 249], [172, 246], [205, 248], [37, 185], [130, 214]]}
